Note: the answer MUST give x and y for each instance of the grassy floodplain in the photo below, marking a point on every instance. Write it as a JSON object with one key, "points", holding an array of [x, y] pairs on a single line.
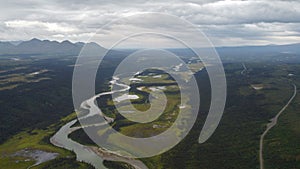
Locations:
{"points": [[37, 140]]}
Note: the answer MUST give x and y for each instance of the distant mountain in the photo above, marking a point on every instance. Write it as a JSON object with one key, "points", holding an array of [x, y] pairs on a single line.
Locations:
{"points": [[6, 47], [67, 48], [289, 53], [259, 50], [46, 47], [16, 42], [245, 51]]}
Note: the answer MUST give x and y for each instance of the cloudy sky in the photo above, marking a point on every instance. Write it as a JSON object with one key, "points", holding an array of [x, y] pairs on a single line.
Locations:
{"points": [[225, 23]]}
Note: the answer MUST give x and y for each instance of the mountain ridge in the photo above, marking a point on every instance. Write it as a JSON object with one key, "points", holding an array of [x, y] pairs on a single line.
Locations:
{"points": [[46, 47]]}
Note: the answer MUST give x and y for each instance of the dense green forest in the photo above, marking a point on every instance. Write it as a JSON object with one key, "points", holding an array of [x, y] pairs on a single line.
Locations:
{"points": [[30, 105]]}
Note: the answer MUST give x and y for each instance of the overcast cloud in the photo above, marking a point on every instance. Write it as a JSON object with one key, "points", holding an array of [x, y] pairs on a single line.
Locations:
{"points": [[224, 22]]}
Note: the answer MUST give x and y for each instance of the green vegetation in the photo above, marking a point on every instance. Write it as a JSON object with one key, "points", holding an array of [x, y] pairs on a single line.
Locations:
{"points": [[235, 143], [253, 99], [282, 148], [282, 142], [32, 108], [37, 140], [117, 165], [63, 163], [81, 137], [152, 80], [30, 113], [27, 101]]}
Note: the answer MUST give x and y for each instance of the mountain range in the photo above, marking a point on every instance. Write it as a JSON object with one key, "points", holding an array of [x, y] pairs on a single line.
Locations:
{"points": [[46, 47], [259, 50]]}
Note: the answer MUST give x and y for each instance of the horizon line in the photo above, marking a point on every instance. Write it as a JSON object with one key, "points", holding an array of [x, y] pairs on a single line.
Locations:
{"points": [[74, 42]]}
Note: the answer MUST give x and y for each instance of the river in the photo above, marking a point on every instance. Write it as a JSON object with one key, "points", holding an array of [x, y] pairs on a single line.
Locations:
{"points": [[92, 154]]}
